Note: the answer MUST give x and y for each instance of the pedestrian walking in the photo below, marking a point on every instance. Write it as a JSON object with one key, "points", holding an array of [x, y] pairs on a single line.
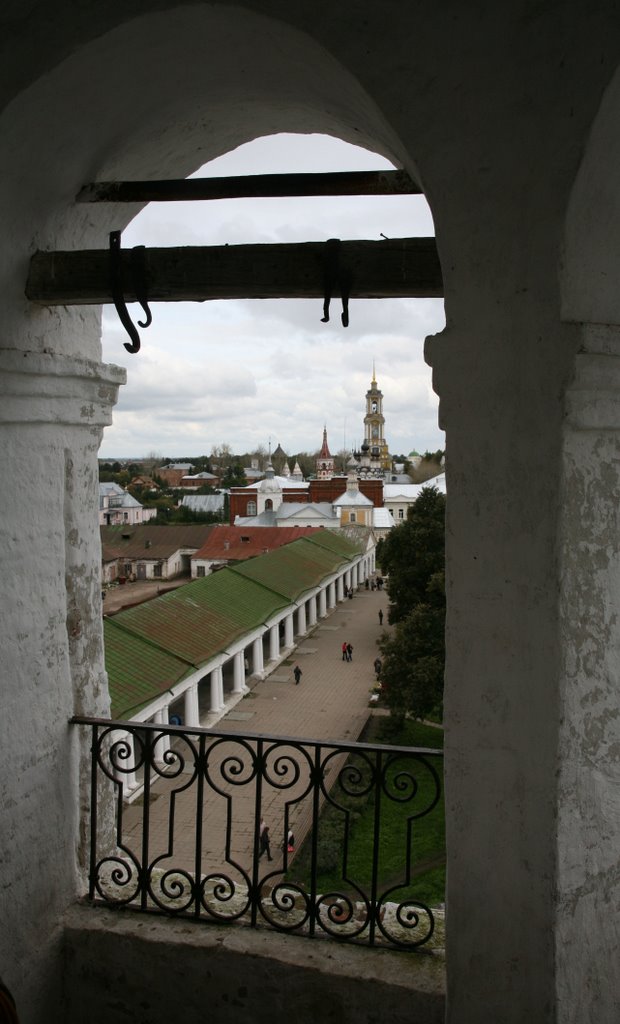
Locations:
{"points": [[372, 584], [345, 656], [349, 652], [380, 616], [298, 674], [264, 841]]}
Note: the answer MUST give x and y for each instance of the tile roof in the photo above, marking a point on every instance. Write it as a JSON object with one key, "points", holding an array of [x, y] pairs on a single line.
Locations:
{"points": [[230, 542], [151, 542]]}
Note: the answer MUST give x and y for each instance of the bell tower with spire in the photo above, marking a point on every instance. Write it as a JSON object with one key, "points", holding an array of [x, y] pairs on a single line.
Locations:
{"points": [[374, 421], [324, 460]]}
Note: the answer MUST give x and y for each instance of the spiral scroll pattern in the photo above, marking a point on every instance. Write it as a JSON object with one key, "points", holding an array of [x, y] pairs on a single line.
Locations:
{"points": [[263, 830]]}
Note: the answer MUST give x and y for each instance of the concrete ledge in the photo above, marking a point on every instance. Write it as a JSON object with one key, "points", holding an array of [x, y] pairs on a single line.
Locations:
{"points": [[123, 966]]}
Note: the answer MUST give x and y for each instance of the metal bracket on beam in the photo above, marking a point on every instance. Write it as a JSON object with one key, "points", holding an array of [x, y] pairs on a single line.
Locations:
{"points": [[138, 274], [338, 279]]}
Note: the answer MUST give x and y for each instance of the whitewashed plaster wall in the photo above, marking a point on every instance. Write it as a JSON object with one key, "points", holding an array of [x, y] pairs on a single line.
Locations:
{"points": [[491, 110]]}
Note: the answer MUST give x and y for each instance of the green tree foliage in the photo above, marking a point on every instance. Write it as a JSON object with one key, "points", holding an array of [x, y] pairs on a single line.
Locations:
{"points": [[413, 552], [414, 652], [235, 477]]}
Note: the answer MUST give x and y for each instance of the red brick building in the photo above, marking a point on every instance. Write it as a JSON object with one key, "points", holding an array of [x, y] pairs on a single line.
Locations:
{"points": [[243, 500]]}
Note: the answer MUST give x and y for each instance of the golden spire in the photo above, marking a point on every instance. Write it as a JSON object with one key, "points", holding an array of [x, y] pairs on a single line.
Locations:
{"points": [[374, 376]]}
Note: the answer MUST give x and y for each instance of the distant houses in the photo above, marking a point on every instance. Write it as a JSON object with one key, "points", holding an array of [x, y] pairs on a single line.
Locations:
{"points": [[148, 552], [119, 508]]}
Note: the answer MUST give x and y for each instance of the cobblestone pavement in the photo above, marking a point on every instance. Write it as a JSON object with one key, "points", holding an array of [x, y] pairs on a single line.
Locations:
{"points": [[330, 703]]}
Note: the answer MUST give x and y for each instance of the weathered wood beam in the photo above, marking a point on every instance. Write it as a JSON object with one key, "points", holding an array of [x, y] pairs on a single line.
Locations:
{"points": [[341, 183], [392, 268]]}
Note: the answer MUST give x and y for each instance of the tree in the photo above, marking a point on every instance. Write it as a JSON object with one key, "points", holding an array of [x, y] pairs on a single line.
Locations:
{"points": [[414, 658], [413, 552], [414, 652], [234, 476]]}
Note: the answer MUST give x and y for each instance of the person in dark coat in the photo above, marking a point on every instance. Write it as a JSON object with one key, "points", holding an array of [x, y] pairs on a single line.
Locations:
{"points": [[380, 616], [298, 674], [349, 652], [264, 842], [377, 667]]}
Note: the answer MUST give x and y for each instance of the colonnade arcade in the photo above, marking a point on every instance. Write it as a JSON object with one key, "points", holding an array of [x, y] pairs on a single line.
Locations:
{"points": [[203, 697]]}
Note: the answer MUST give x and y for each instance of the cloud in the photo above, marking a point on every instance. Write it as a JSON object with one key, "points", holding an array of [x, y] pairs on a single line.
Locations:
{"points": [[243, 372]]}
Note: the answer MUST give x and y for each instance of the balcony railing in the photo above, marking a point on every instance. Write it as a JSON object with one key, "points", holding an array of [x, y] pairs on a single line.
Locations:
{"points": [[175, 828]]}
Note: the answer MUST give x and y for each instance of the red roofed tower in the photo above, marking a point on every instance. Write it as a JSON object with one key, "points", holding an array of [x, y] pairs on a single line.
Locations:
{"points": [[324, 461]]}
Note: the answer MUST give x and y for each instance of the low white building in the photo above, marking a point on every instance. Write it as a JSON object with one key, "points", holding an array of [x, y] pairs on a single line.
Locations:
{"points": [[117, 507], [398, 498]]}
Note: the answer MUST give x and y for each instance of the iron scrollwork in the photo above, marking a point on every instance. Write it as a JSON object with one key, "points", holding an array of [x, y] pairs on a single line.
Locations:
{"points": [[176, 822]]}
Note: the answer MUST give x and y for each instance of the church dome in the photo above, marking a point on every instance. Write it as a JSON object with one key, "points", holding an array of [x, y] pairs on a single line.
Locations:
{"points": [[269, 485]]}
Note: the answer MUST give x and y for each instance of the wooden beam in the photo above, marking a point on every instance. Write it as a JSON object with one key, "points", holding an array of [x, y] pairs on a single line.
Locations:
{"points": [[341, 183], [392, 268]]}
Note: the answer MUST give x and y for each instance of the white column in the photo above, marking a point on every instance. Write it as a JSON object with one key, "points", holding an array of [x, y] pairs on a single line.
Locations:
{"points": [[312, 610], [322, 603], [220, 686], [192, 714], [302, 628], [274, 643], [289, 634], [216, 702], [331, 595], [239, 672], [258, 666], [340, 588]]}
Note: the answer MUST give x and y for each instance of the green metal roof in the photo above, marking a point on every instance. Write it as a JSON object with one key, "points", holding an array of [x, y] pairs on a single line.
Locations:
{"points": [[291, 570], [201, 619], [137, 671], [336, 541], [154, 645]]}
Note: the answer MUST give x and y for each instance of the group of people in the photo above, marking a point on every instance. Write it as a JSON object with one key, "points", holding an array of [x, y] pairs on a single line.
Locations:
{"points": [[347, 651], [265, 842]]}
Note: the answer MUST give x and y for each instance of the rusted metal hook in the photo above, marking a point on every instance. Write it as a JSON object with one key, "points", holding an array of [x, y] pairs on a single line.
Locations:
{"points": [[138, 273], [336, 278]]}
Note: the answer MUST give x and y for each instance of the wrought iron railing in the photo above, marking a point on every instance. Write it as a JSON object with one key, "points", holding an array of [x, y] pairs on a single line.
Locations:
{"points": [[175, 828]]}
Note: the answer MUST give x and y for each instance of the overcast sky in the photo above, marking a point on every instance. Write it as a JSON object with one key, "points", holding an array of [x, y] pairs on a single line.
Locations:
{"points": [[247, 373]]}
